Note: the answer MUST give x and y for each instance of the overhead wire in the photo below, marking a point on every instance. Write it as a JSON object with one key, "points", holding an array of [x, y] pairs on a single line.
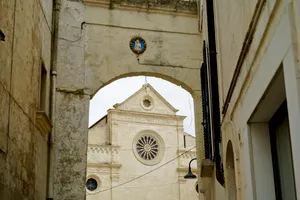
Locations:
{"points": [[138, 177]]}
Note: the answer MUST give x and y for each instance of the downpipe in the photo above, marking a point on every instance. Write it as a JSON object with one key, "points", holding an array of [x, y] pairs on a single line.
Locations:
{"points": [[55, 19]]}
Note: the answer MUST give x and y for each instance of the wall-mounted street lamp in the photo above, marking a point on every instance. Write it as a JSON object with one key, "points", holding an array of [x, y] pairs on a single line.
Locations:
{"points": [[190, 175]]}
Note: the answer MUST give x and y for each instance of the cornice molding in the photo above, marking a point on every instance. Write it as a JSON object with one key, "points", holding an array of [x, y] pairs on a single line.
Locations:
{"points": [[104, 165], [141, 8], [128, 112]]}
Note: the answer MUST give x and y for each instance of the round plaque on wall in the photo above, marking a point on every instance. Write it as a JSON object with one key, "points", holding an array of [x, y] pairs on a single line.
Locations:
{"points": [[138, 45]]}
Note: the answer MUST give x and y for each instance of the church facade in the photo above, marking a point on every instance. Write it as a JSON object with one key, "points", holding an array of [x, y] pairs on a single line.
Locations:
{"points": [[139, 151]]}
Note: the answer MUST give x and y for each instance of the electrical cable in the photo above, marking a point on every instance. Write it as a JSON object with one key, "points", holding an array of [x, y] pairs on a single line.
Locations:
{"points": [[147, 172]]}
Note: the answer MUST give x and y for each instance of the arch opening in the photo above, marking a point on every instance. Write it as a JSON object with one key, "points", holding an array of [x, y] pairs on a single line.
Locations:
{"points": [[178, 82], [176, 93], [117, 156]]}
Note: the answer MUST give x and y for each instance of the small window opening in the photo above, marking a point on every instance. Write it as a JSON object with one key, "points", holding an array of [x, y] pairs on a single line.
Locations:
{"points": [[91, 184], [147, 103], [184, 141], [43, 88]]}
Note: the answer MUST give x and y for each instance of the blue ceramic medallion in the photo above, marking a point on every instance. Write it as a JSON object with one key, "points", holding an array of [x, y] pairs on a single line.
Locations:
{"points": [[138, 45]]}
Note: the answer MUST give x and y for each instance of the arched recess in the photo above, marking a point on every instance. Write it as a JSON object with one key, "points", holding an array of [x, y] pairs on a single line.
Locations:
{"points": [[230, 173], [231, 160]]}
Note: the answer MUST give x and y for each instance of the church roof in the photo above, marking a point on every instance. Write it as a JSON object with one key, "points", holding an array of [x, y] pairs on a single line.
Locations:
{"points": [[104, 117], [127, 104]]}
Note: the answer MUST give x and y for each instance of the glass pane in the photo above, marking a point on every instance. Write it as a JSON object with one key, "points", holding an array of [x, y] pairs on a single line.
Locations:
{"points": [[91, 184]]}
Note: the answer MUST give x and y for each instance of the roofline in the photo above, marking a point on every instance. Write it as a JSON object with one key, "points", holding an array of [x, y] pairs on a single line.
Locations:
{"points": [[105, 116], [155, 91], [185, 133]]}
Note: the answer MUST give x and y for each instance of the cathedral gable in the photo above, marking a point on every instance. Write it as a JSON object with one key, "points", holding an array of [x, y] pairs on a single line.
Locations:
{"points": [[147, 99]]}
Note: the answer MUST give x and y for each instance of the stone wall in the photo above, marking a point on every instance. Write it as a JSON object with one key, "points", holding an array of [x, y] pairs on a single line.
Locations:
{"points": [[23, 147]]}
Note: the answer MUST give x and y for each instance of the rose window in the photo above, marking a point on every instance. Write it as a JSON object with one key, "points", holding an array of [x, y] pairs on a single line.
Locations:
{"points": [[147, 147]]}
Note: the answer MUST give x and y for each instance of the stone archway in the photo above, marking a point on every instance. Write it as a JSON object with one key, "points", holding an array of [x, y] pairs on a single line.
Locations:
{"points": [[93, 50], [230, 175], [71, 133]]}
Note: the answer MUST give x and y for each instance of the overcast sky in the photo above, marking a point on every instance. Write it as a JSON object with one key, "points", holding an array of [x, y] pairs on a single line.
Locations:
{"points": [[120, 90]]}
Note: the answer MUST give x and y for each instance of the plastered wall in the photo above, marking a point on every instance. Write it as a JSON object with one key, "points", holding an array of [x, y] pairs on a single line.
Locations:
{"points": [[258, 92]]}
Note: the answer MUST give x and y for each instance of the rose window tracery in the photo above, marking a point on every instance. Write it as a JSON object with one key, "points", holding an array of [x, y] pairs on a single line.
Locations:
{"points": [[148, 147]]}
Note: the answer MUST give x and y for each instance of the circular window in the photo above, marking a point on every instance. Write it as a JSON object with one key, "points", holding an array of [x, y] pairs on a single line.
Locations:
{"points": [[148, 147], [91, 184], [147, 102]]}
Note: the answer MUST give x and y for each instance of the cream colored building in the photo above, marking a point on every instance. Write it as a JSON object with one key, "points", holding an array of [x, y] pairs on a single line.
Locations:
{"points": [[256, 84], [139, 151]]}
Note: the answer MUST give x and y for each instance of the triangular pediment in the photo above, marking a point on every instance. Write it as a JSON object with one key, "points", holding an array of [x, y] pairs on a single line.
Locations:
{"points": [[147, 99]]}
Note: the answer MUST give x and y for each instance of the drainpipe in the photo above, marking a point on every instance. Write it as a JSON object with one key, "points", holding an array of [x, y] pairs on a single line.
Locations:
{"points": [[55, 20], [215, 105]]}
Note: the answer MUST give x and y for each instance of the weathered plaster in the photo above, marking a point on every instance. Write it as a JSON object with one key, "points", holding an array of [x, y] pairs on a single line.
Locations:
{"points": [[23, 150]]}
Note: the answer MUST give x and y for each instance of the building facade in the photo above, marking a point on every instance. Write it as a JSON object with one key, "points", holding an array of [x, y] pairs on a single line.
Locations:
{"points": [[25, 107], [251, 52], [139, 151]]}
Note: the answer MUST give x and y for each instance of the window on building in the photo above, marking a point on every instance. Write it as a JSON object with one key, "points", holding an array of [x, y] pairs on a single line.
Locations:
{"points": [[91, 184], [282, 155], [43, 88]]}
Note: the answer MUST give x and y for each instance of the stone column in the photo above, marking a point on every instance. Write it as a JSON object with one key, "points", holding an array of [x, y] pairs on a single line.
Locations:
{"points": [[72, 105], [70, 145]]}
